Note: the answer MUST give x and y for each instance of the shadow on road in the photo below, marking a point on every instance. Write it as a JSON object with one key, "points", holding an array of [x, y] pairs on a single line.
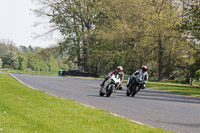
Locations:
{"points": [[166, 96], [101, 96], [193, 125]]}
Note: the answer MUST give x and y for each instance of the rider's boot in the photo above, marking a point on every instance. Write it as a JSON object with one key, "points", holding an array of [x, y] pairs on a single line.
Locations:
{"points": [[102, 84], [120, 88], [127, 85]]}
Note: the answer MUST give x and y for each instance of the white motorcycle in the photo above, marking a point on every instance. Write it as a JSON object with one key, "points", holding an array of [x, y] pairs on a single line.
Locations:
{"points": [[110, 85]]}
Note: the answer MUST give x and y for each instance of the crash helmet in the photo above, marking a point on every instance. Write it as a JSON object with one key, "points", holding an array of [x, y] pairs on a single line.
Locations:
{"points": [[144, 68], [119, 69]]}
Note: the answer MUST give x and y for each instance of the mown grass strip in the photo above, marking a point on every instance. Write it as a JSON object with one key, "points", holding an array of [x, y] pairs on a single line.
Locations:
{"points": [[177, 88], [53, 73], [26, 110]]}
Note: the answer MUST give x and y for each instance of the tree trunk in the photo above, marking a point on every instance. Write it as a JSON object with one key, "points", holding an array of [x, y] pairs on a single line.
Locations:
{"points": [[79, 60], [160, 58]]}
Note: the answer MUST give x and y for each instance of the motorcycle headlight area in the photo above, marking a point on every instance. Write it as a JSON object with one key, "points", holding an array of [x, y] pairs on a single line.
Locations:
{"points": [[140, 79], [117, 82], [112, 80]]}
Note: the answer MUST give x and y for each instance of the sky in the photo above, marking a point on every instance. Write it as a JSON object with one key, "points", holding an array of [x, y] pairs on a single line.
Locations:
{"points": [[16, 24]]}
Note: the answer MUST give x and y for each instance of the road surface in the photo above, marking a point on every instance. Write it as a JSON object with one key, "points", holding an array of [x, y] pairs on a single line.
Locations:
{"points": [[151, 107]]}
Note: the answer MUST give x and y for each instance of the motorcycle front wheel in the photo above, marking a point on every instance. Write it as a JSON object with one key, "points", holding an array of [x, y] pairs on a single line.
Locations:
{"points": [[101, 93], [134, 91], [109, 90], [128, 91]]}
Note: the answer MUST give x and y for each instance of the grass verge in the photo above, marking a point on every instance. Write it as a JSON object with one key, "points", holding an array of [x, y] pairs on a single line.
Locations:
{"points": [[53, 73], [178, 88], [23, 109]]}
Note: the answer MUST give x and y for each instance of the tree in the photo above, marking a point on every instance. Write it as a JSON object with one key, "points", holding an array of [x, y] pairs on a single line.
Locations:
{"points": [[190, 27], [37, 49], [3, 49], [76, 21], [195, 69], [100, 35], [7, 46], [168, 41], [22, 58], [143, 31], [191, 17], [24, 49], [0, 63], [10, 60], [30, 48]]}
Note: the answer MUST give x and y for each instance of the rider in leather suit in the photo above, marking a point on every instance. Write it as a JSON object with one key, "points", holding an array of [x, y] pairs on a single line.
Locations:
{"points": [[119, 71], [143, 72]]}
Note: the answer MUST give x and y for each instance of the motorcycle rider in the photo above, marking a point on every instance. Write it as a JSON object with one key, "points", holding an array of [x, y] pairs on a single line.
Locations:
{"points": [[143, 72], [118, 71]]}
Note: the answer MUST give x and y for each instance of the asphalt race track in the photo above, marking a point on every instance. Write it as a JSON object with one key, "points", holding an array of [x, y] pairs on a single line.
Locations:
{"points": [[151, 107]]}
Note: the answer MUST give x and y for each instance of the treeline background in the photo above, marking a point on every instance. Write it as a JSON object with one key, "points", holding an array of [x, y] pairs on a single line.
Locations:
{"points": [[99, 35], [33, 59]]}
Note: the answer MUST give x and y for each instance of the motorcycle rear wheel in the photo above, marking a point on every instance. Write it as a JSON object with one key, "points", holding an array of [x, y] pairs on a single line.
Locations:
{"points": [[134, 91]]}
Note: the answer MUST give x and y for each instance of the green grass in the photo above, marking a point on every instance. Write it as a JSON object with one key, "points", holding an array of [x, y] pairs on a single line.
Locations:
{"points": [[178, 88], [25, 110], [53, 73]]}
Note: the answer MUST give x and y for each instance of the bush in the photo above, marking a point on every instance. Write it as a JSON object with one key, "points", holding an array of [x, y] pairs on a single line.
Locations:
{"points": [[0, 63], [196, 83], [22, 58], [10, 60], [197, 74]]}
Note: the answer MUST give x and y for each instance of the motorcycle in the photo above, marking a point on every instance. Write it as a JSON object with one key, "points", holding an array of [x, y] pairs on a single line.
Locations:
{"points": [[110, 85], [135, 86]]}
